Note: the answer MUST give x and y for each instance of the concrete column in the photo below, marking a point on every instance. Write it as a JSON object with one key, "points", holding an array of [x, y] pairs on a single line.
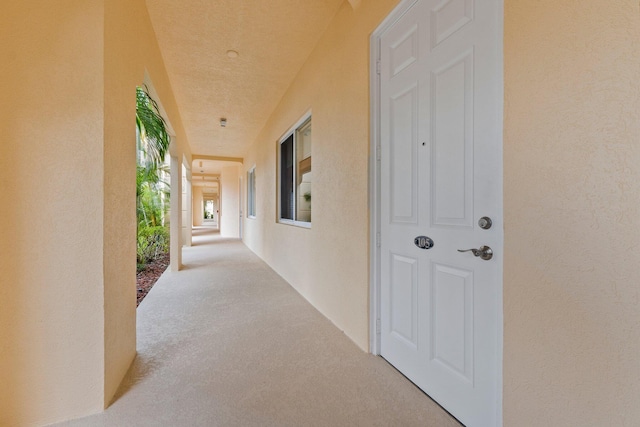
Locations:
{"points": [[186, 219], [229, 202], [197, 206], [176, 213]]}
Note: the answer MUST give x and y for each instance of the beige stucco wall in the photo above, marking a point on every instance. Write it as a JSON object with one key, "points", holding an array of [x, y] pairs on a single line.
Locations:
{"points": [[51, 173], [119, 197], [327, 264], [67, 171], [572, 213]]}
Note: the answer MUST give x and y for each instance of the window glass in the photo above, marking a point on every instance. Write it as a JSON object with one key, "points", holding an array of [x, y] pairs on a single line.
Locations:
{"points": [[251, 193], [286, 179], [295, 175], [303, 172]]}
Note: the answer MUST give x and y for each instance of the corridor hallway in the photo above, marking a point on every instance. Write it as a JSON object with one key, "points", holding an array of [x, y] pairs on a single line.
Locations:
{"points": [[227, 342]]}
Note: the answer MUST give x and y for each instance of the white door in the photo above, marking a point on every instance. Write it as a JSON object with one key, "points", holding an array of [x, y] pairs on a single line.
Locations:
{"points": [[440, 135]]}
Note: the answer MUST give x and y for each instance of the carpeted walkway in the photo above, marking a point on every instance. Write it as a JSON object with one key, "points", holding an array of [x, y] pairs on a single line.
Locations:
{"points": [[227, 342]]}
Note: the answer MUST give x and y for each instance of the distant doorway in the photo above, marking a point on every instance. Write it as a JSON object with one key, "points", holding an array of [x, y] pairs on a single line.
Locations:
{"points": [[211, 213]]}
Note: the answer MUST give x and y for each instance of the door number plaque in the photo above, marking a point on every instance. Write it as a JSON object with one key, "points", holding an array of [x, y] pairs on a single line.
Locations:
{"points": [[423, 242]]}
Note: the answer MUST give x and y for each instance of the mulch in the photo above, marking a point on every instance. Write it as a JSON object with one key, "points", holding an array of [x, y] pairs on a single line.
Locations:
{"points": [[147, 277]]}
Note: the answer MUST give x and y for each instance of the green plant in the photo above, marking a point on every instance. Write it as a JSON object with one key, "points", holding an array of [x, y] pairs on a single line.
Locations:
{"points": [[153, 142], [151, 242], [153, 138], [152, 190], [152, 195]]}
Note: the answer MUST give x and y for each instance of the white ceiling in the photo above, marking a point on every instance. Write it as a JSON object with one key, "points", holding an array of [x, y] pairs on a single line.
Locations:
{"points": [[273, 39]]}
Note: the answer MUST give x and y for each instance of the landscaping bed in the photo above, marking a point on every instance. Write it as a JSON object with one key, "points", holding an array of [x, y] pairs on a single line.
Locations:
{"points": [[149, 275]]}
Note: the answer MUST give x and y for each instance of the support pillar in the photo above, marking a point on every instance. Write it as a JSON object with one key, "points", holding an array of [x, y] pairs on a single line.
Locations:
{"points": [[175, 261]]}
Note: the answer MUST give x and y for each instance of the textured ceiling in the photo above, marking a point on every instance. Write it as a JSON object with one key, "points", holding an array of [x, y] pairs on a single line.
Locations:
{"points": [[273, 39]]}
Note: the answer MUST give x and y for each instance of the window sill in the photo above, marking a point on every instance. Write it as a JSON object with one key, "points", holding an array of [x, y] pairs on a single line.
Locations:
{"points": [[295, 223]]}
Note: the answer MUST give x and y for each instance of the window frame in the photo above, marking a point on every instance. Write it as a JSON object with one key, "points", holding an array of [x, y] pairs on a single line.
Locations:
{"points": [[292, 131], [251, 192]]}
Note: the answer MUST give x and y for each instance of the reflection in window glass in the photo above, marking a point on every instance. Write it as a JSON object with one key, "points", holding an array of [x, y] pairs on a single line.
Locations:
{"points": [[251, 193]]}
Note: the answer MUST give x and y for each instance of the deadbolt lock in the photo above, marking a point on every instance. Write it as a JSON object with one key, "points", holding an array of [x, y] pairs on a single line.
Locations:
{"points": [[485, 222]]}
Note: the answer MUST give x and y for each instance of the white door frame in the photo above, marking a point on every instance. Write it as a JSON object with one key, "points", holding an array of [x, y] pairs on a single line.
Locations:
{"points": [[375, 198]]}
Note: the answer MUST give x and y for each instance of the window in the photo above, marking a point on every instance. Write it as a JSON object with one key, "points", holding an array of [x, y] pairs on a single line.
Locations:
{"points": [[251, 193], [294, 153]]}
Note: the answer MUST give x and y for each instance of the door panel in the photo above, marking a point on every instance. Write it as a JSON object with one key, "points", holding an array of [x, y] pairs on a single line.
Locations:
{"points": [[440, 124], [448, 17], [452, 139], [403, 162], [452, 319], [404, 290], [404, 51]]}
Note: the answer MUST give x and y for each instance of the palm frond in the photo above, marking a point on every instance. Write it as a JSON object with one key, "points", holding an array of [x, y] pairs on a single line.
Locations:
{"points": [[152, 128], [152, 190]]}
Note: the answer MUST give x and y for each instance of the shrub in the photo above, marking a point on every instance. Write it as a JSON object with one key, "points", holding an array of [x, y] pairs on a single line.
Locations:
{"points": [[152, 242]]}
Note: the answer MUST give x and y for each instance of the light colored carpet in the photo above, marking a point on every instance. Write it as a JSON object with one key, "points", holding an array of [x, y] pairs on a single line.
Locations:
{"points": [[227, 342]]}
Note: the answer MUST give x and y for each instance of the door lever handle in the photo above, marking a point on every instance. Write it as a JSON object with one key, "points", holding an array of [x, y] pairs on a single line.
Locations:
{"points": [[485, 252]]}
